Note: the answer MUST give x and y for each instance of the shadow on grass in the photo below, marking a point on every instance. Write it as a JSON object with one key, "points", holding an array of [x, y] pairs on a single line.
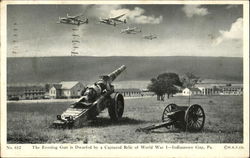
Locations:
{"points": [[24, 139], [159, 131], [103, 122], [166, 131]]}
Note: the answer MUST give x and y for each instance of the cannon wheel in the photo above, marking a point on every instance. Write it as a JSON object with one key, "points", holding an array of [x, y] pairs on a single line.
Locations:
{"points": [[116, 107], [169, 108], [194, 118]]}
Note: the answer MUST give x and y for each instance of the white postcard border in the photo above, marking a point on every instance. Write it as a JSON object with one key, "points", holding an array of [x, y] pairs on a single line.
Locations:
{"points": [[210, 150]]}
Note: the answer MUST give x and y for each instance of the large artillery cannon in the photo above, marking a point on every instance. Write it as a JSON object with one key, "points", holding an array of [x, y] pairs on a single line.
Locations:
{"points": [[95, 99], [186, 118]]}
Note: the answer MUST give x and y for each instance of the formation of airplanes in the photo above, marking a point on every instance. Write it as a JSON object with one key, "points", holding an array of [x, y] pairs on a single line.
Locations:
{"points": [[80, 19]]}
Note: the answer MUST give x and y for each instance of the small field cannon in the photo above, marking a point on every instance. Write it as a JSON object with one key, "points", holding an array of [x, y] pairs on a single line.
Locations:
{"points": [[186, 118], [95, 99]]}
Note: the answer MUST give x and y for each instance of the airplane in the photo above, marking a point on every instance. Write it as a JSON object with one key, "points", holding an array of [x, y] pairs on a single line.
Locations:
{"points": [[133, 30], [150, 37], [74, 20], [113, 21]]}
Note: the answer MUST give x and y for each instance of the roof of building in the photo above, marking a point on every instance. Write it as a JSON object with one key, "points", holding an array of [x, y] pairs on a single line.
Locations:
{"points": [[209, 85], [212, 85], [238, 86], [128, 90], [15, 90], [194, 89], [68, 84], [18, 90], [178, 87], [205, 86], [57, 86], [34, 88]]}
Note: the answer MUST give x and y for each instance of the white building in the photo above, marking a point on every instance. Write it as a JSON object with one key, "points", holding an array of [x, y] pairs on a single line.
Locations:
{"points": [[232, 90], [220, 89], [55, 91], [191, 91], [71, 89], [66, 89], [209, 90]]}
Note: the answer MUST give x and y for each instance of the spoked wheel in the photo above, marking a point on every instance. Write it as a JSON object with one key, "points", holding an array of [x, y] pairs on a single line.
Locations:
{"points": [[169, 108], [165, 117], [195, 118], [117, 107]]}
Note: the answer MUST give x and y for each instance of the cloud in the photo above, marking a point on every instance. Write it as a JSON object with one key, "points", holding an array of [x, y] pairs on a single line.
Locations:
{"points": [[97, 11], [235, 32], [191, 10], [231, 6], [136, 15]]}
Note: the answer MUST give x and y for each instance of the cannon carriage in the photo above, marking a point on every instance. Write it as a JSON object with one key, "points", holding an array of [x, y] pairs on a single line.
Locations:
{"points": [[95, 98], [186, 118]]}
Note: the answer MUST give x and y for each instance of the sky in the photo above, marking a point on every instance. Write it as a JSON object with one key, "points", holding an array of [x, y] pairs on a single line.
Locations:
{"points": [[181, 30]]}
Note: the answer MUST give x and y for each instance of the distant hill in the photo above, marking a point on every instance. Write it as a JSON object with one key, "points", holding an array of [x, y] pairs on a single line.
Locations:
{"points": [[85, 68]]}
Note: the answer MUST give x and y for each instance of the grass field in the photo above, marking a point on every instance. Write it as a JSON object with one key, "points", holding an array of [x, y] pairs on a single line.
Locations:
{"points": [[30, 123]]}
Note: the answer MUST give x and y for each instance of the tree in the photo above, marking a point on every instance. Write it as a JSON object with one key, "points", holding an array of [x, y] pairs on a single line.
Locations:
{"points": [[164, 84], [189, 80], [171, 80], [157, 86]]}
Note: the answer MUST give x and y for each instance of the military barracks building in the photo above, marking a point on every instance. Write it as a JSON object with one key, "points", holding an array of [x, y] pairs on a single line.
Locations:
{"points": [[214, 89], [130, 92], [25, 92], [66, 89], [232, 90]]}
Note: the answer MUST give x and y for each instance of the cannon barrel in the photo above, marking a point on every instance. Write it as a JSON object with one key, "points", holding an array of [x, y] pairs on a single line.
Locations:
{"points": [[95, 98], [117, 72]]}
